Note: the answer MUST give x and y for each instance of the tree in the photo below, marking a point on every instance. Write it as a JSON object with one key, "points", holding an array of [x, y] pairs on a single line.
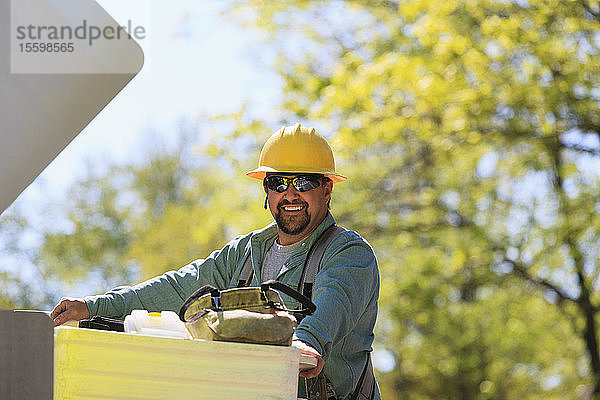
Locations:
{"points": [[214, 200], [470, 132], [20, 284]]}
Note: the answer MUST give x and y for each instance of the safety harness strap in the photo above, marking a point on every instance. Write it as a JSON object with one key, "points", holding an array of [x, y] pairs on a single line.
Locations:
{"points": [[365, 389], [313, 260], [246, 273]]}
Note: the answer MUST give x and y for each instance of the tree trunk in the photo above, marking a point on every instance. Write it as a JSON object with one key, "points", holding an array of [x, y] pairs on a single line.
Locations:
{"points": [[584, 300], [591, 343]]}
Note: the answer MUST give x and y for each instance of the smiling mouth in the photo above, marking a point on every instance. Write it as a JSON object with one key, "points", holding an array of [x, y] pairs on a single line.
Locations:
{"points": [[292, 208]]}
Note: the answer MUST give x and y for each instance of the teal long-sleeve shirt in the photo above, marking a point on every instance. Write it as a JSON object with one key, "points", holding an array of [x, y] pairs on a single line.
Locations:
{"points": [[346, 291]]}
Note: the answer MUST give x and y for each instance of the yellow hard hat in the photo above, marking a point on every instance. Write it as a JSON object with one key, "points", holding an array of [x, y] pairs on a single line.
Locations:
{"points": [[296, 149]]}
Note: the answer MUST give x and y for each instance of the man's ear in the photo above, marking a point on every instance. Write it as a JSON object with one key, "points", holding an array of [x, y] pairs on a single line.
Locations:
{"points": [[328, 186]]}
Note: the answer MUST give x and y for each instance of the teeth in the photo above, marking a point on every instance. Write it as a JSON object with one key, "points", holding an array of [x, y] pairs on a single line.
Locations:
{"points": [[296, 208]]}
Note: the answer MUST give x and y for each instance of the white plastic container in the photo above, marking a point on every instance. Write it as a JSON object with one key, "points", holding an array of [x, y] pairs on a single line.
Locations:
{"points": [[163, 324]]}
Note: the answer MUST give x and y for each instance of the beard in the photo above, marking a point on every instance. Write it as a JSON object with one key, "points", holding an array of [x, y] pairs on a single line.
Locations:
{"points": [[292, 224]]}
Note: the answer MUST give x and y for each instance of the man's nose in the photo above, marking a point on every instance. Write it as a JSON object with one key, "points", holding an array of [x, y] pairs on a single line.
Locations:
{"points": [[291, 192]]}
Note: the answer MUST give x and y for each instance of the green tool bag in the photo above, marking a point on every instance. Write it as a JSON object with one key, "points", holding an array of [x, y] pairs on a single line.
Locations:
{"points": [[248, 315]]}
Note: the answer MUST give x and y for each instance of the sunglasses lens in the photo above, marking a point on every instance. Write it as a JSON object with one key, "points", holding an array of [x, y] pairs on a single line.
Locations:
{"points": [[304, 183], [277, 183]]}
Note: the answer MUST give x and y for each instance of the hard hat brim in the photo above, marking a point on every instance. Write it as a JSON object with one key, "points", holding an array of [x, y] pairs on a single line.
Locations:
{"points": [[261, 172]]}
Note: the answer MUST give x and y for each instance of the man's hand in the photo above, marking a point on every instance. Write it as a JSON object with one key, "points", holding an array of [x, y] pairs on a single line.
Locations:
{"points": [[306, 349], [68, 310]]}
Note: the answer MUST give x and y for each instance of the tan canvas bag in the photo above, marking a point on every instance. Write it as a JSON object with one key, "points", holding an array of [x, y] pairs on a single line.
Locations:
{"points": [[247, 315]]}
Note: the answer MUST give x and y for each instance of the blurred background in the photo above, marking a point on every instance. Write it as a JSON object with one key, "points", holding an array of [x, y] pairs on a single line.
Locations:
{"points": [[469, 129]]}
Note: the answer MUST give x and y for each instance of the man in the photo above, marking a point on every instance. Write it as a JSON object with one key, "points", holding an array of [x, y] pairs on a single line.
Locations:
{"points": [[297, 169]]}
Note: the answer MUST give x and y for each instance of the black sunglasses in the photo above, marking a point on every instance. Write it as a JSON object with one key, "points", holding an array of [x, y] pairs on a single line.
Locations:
{"points": [[302, 183]]}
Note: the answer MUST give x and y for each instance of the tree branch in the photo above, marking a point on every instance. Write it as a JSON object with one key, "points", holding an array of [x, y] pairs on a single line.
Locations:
{"points": [[522, 271], [594, 14], [578, 147]]}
